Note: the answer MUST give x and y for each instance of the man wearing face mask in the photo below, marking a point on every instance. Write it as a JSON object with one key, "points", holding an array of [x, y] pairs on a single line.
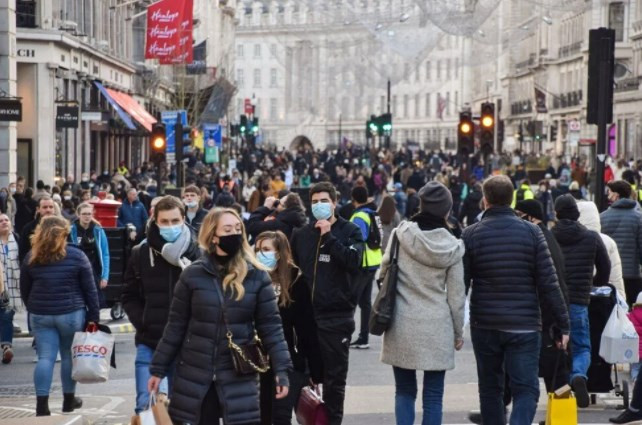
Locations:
{"points": [[329, 252], [153, 269], [194, 214]]}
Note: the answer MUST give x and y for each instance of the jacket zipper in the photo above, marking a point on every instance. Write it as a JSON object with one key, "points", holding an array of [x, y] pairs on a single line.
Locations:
{"points": [[316, 261]]}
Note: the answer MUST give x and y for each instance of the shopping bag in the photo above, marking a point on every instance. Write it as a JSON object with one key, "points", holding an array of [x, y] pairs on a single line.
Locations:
{"points": [[156, 414], [310, 409], [91, 354], [619, 342], [561, 410]]}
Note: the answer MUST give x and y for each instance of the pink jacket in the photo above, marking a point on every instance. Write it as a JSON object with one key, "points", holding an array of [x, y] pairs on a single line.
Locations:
{"points": [[635, 316]]}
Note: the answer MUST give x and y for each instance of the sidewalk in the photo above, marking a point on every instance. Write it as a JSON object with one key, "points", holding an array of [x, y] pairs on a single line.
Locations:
{"points": [[122, 326]]}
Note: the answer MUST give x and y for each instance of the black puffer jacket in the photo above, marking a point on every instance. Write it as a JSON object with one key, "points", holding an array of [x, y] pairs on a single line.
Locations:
{"points": [[623, 222], [285, 221], [548, 314], [509, 264], [471, 208], [583, 251], [149, 286], [195, 223], [331, 266], [195, 338]]}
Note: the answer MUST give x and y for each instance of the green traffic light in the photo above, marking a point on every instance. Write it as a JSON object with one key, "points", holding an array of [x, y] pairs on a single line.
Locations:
{"points": [[373, 127], [255, 129], [387, 127], [242, 129]]}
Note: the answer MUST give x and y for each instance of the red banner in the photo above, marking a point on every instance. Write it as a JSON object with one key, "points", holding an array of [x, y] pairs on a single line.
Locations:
{"points": [[169, 31]]}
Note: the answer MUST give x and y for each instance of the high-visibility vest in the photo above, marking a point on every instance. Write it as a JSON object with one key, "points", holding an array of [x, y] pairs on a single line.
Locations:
{"points": [[371, 257], [528, 194]]}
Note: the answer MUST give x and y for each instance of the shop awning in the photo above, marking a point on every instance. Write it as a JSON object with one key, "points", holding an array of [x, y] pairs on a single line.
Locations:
{"points": [[133, 108], [121, 113]]}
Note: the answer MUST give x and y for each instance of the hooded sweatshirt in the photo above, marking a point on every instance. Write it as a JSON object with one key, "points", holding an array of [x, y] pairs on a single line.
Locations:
{"points": [[590, 218]]}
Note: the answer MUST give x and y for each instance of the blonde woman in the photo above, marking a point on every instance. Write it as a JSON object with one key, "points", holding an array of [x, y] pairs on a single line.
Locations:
{"points": [[225, 294], [57, 286]]}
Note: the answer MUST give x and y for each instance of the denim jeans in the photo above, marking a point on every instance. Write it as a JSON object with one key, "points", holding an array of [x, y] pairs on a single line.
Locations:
{"points": [[519, 354], [406, 394], [53, 334], [580, 340], [144, 356], [6, 326]]}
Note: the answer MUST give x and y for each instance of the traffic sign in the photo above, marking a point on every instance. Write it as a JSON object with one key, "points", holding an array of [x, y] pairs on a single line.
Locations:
{"points": [[574, 125]]}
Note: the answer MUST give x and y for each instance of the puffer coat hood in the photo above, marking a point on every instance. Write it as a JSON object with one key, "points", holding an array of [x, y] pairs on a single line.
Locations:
{"points": [[436, 248]]}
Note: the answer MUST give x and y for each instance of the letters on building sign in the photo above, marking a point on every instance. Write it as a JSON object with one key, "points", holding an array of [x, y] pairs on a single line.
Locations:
{"points": [[67, 117], [10, 110]]}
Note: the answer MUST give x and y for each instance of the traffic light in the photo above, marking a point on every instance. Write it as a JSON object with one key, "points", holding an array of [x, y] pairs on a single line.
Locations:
{"points": [[243, 125], [182, 140], [255, 126], [372, 127], [157, 143], [234, 130], [487, 121], [466, 133], [553, 133], [386, 124]]}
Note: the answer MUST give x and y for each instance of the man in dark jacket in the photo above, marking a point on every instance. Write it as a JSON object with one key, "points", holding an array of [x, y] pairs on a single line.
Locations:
{"points": [[132, 211], [623, 222], [153, 269], [45, 208], [285, 214], [509, 269], [194, 213], [471, 207], [533, 211], [329, 252], [583, 252]]}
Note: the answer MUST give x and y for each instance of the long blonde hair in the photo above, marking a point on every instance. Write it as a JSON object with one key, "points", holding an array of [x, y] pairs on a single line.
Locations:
{"points": [[49, 241], [237, 267]]}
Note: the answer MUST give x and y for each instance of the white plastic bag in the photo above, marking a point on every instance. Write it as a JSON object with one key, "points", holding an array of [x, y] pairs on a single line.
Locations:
{"points": [[91, 355], [620, 341]]}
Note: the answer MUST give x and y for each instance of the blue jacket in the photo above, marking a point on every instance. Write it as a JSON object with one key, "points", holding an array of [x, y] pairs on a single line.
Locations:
{"points": [[61, 287], [623, 222], [101, 245], [133, 213], [511, 269]]}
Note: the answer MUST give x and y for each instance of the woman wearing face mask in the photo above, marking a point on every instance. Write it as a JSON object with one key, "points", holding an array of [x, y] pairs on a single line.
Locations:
{"points": [[87, 234], [224, 298], [295, 306]]}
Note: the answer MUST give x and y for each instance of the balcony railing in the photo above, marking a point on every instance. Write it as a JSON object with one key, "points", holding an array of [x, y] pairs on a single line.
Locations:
{"points": [[570, 49], [627, 84]]}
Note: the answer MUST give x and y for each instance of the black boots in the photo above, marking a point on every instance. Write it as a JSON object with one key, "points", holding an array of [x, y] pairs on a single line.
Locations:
{"points": [[71, 402], [42, 406]]}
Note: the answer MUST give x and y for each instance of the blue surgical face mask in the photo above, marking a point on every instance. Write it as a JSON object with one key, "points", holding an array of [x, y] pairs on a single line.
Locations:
{"points": [[322, 210], [267, 258], [171, 233]]}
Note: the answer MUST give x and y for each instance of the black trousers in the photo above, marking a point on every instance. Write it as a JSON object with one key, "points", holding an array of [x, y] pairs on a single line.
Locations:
{"points": [[632, 287], [211, 410], [279, 412], [365, 305], [334, 344]]}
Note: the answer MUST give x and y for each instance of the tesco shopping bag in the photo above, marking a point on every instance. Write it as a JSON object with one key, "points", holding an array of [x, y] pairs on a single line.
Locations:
{"points": [[91, 354], [619, 342]]}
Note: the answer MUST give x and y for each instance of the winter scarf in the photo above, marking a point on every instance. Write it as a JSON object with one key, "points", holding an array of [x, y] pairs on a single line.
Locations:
{"points": [[172, 252]]}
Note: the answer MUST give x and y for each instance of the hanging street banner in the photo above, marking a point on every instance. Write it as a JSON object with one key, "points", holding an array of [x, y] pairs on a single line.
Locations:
{"points": [[169, 31], [67, 116], [213, 138], [10, 110], [169, 118]]}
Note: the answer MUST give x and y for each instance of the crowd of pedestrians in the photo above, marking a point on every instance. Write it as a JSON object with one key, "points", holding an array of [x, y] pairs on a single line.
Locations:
{"points": [[281, 248]]}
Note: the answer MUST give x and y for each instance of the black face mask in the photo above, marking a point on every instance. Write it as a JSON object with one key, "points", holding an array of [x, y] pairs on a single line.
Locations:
{"points": [[230, 244]]}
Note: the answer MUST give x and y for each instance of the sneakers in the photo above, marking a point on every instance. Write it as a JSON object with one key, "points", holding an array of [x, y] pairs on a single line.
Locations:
{"points": [[581, 392], [627, 417], [7, 354], [360, 344], [475, 417]]}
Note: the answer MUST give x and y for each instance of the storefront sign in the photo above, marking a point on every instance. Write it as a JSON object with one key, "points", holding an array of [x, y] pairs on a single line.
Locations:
{"points": [[91, 116], [169, 31], [67, 117], [10, 110]]}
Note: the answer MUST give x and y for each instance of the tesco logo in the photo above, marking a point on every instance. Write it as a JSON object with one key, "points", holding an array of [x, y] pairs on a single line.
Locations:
{"points": [[90, 349]]}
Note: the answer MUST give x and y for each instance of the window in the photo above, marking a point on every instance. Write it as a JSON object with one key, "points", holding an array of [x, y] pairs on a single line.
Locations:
{"points": [[417, 107], [616, 19], [273, 77], [239, 51], [406, 71], [405, 106], [447, 104], [428, 65], [240, 78], [273, 109], [273, 50], [427, 112], [447, 69], [257, 78], [257, 50], [456, 68], [394, 105], [438, 70]]}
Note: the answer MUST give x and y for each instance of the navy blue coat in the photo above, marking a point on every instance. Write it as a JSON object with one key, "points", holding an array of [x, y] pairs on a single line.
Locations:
{"points": [[61, 287], [623, 223], [134, 213], [511, 270]]}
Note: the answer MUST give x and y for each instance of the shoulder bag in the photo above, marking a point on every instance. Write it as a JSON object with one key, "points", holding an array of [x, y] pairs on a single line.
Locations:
{"points": [[384, 304]]}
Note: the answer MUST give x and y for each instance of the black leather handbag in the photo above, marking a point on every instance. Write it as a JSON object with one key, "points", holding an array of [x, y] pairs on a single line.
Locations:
{"points": [[384, 304]]}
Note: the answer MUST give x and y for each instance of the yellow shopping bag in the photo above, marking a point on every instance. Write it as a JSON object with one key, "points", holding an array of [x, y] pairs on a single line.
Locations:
{"points": [[561, 410]]}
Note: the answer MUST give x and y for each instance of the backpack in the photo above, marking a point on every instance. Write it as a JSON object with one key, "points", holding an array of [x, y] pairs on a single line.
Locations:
{"points": [[375, 231]]}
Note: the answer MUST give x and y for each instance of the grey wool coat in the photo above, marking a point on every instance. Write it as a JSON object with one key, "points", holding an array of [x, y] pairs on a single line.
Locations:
{"points": [[429, 310]]}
